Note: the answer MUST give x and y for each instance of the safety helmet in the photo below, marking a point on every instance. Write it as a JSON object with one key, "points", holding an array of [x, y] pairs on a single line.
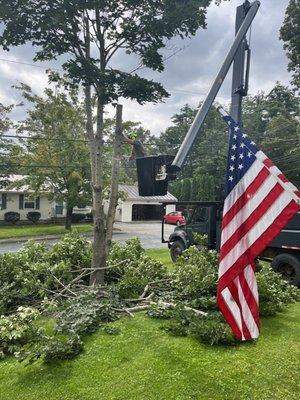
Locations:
{"points": [[132, 135]]}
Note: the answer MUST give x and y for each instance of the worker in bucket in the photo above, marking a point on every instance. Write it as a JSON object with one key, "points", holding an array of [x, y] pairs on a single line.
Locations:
{"points": [[138, 150]]}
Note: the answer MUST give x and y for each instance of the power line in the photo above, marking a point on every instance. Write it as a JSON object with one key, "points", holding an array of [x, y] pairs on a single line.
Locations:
{"points": [[61, 70], [30, 65], [43, 138]]}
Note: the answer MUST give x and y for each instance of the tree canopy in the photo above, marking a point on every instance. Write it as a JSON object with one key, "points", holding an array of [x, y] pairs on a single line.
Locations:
{"points": [[56, 156], [5, 144], [290, 35], [141, 27], [271, 120]]}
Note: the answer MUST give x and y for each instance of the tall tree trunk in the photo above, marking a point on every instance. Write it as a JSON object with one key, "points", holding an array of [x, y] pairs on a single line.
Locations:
{"points": [[69, 214], [99, 244], [96, 152], [113, 200]]}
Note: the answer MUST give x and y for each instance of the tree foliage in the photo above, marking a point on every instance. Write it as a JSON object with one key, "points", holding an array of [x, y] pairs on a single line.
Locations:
{"points": [[289, 33], [5, 144], [57, 149], [271, 120], [140, 27]]}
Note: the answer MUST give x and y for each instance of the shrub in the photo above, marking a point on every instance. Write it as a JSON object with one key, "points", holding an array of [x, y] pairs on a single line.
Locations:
{"points": [[74, 250], [33, 216], [132, 276], [274, 292], [160, 310], [12, 217], [28, 275], [17, 329], [49, 348], [138, 273], [176, 328], [211, 330], [19, 281], [130, 251], [111, 330], [84, 314], [77, 217], [89, 217], [196, 274]]}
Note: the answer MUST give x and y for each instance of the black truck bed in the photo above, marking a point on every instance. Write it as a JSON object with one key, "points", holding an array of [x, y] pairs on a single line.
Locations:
{"points": [[289, 237]]}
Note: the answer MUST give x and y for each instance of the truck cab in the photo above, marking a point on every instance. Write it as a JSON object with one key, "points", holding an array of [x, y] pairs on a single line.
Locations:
{"points": [[202, 217], [206, 218]]}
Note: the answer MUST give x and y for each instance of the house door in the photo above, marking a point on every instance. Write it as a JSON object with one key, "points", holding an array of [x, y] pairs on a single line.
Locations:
{"points": [[147, 212]]}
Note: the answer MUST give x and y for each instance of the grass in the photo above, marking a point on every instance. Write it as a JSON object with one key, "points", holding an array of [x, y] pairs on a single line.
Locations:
{"points": [[7, 232], [145, 363], [162, 255]]}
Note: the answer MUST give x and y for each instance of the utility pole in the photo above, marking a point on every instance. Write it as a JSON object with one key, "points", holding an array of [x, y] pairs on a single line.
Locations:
{"points": [[239, 78]]}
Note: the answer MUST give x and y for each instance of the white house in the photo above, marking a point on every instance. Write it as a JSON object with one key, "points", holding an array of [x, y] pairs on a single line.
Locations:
{"points": [[21, 200], [140, 208], [132, 208]]}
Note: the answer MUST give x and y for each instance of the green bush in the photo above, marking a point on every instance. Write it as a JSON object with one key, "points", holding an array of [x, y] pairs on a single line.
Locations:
{"points": [[274, 292], [33, 216], [50, 348], [72, 249], [196, 274], [80, 315], [12, 217], [175, 328], [211, 330], [84, 314], [17, 329], [77, 217], [29, 274], [130, 251], [160, 310], [138, 273]]}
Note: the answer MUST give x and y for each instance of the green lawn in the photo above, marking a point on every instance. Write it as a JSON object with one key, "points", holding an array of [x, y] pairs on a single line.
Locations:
{"points": [[7, 232], [163, 255], [145, 363]]}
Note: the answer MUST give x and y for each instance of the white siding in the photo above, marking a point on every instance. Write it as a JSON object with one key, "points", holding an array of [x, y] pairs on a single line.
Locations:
{"points": [[12, 204]]}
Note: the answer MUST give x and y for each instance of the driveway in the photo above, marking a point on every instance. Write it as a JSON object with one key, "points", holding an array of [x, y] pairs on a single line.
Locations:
{"points": [[149, 234]]}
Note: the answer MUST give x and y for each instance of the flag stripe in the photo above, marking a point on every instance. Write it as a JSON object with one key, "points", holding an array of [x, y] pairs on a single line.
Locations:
{"points": [[256, 248], [240, 188], [252, 328], [259, 203], [249, 207], [252, 220], [248, 280], [230, 311], [233, 287], [254, 233], [245, 196]]}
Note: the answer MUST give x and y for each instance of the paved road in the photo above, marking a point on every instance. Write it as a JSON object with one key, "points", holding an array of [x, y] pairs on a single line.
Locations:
{"points": [[149, 234]]}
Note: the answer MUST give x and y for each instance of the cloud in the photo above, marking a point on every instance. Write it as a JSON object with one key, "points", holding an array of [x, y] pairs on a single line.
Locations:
{"points": [[190, 72]]}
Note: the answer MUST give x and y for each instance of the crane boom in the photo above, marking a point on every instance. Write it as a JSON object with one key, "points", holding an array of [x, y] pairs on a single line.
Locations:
{"points": [[195, 128]]}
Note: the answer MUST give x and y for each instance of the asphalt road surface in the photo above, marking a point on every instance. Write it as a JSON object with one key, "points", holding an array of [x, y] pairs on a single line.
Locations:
{"points": [[149, 234]]}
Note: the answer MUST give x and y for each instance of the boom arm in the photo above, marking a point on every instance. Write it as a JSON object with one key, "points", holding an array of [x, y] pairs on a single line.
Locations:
{"points": [[195, 128]]}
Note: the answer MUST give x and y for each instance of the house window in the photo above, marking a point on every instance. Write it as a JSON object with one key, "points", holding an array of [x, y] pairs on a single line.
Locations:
{"points": [[59, 207], [29, 202], [3, 201]]}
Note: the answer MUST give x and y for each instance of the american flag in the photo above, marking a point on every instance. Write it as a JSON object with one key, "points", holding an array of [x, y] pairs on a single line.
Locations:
{"points": [[259, 202]]}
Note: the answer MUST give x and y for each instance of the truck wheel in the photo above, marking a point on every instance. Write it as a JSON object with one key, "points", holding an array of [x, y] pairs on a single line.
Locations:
{"points": [[288, 265], [176, 249]]}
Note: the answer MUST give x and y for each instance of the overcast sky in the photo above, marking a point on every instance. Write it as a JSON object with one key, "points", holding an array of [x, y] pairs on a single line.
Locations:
{"points": [[189, 74]]}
